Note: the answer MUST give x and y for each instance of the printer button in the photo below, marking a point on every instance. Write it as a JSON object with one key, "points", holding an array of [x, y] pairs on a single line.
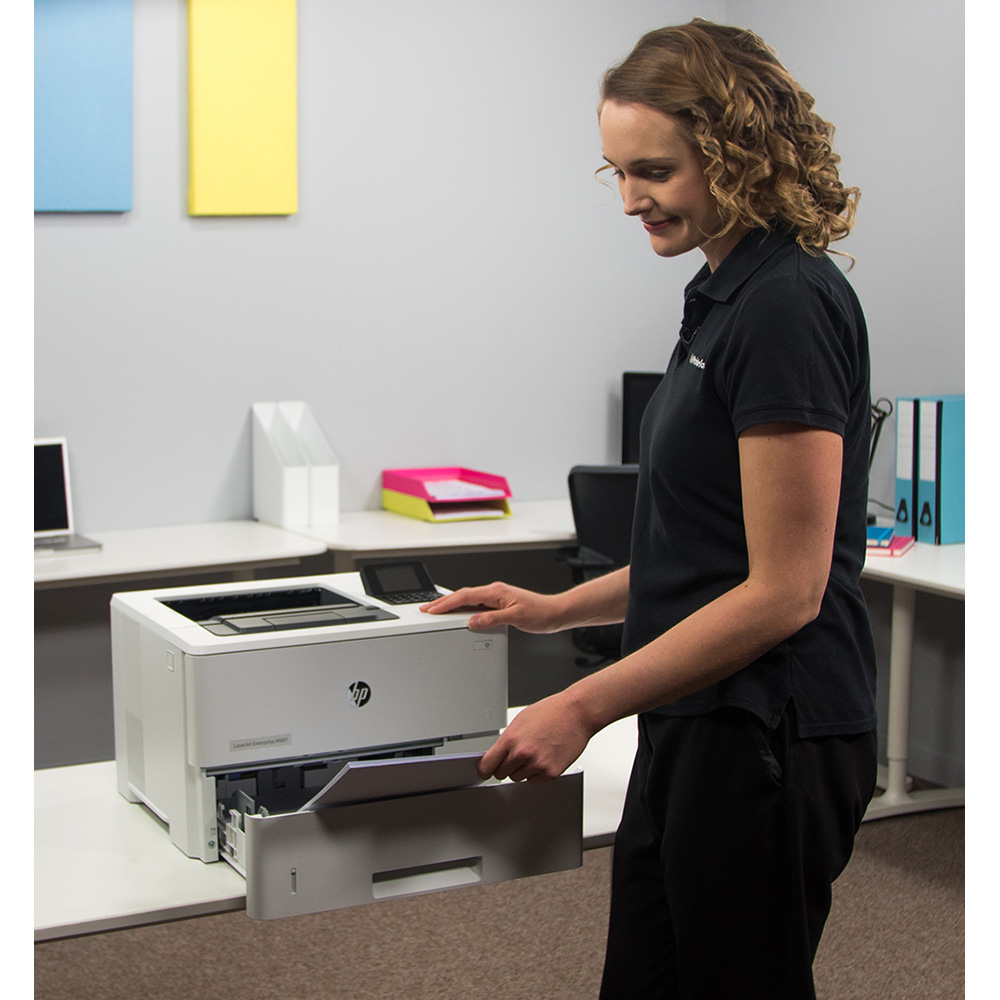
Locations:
{"points": [[218, 628], [244, 624]]}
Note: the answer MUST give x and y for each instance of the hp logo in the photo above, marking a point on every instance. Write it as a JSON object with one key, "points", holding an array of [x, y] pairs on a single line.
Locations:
{"points": [[360, 694]]}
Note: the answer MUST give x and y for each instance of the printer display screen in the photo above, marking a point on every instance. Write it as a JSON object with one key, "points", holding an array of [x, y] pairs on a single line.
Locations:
{"points": [[275, 610]]}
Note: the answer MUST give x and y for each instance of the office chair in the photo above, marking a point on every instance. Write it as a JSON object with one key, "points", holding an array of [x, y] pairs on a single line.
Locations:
{"points": [[603, 501]]}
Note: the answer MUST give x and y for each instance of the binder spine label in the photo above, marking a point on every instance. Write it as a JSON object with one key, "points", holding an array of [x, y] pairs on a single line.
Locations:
{"points": [[905, 459], [926, 471]]}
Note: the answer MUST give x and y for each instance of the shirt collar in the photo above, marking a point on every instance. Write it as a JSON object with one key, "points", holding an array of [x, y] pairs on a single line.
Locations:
{"points": [[739, 264]]}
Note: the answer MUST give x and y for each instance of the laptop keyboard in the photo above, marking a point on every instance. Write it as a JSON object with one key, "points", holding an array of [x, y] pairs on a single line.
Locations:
{"points": [[52, 542]]}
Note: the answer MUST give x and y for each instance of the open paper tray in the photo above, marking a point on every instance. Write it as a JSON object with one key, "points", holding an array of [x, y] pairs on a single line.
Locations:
{"points": [[325, 859], [368, 780]]}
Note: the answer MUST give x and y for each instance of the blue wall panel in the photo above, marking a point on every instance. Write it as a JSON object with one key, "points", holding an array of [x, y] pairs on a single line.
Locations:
{"points": [[83, 105]]}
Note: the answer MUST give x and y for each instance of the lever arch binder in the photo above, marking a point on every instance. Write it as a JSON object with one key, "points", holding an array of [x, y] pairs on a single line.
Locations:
{"points": [[296, 476], [930, 468], [907, 424]]}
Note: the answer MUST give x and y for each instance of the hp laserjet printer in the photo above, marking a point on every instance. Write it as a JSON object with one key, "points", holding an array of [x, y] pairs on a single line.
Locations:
{"points": [[236, 705]]}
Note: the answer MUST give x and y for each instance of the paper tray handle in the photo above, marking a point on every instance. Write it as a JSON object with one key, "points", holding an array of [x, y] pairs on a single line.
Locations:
{"points": [[427, 878]]}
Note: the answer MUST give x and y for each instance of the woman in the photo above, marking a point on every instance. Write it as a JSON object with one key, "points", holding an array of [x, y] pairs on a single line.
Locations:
{"points": [[747, 650]]}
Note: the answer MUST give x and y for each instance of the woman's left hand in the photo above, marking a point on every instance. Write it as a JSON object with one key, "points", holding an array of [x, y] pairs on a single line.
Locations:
{"points": [[541, 741]]}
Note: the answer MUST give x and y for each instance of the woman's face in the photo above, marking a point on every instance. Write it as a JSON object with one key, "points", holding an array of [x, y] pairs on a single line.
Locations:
{"points": [[662, 181]]}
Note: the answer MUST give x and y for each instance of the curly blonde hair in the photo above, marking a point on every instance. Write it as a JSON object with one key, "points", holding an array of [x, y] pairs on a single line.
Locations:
{"points": [[768, 156]]}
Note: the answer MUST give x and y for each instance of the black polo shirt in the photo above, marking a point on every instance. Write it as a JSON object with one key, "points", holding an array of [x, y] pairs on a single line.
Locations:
{"points": [[773, 335]]}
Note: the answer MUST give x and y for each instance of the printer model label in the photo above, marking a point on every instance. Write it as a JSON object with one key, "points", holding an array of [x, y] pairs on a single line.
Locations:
{"points": [[360, 694], [261, 742]]}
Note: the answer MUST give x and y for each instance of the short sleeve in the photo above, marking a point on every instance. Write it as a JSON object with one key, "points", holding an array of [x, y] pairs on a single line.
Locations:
{"points": [[791, 357]]}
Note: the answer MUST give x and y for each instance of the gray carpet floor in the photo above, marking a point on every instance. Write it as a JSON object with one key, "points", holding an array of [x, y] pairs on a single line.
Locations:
{"points": [[896, 932]]}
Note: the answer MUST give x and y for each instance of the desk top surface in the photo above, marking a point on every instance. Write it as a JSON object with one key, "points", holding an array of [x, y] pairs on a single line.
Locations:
{"points": [[141, 552], [532, 522], [938, 569], [102, 862]]}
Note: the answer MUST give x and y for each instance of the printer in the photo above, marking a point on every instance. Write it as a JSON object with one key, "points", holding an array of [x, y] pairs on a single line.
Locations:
{"points": [[322, 741]]}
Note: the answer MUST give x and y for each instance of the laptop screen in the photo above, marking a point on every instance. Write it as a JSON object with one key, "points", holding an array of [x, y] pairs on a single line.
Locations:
{"points": [[52, 511]]}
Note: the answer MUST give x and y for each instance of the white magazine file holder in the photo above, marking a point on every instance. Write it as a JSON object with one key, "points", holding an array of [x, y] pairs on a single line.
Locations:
{"points": [[296, 476]]}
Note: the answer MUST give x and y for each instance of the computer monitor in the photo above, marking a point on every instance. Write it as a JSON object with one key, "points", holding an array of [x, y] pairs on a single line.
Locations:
{"points": [[637, 387]]}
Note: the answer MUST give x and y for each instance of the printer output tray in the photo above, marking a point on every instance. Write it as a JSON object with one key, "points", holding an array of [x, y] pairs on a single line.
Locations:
{"points": [[307, 862]]}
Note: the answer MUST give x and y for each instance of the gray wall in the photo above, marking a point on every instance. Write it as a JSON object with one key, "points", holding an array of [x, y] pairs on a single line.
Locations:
{"points": [[457, 287]]}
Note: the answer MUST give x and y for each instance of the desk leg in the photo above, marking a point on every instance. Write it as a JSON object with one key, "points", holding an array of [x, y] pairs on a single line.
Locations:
{"points": [[344, 562], [896, 799]]}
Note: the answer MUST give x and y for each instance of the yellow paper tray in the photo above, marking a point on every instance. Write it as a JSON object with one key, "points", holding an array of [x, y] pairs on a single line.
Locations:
{"points": [[447, 510]]}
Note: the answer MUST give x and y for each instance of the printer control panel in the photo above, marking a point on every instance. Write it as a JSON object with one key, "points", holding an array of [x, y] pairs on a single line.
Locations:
{"points": [[275, 610], [399, 582]]}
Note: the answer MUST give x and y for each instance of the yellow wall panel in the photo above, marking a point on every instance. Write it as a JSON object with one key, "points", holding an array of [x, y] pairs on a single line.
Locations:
{"points": [[242, 119]]}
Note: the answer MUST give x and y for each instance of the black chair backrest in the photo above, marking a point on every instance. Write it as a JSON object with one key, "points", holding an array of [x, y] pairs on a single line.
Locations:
{"points": [[603, 501]]}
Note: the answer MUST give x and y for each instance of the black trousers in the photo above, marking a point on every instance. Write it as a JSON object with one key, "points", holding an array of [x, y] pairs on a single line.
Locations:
{"points": [[730, 839]]}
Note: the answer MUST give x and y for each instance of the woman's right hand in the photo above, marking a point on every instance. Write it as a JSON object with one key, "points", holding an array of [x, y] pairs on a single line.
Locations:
{"points": [[502, 604]]}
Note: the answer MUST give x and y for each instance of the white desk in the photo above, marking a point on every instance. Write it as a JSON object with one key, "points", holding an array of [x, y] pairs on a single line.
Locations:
{"points": [[236, 547], [934, 569], [102, 863], [533, 524]]}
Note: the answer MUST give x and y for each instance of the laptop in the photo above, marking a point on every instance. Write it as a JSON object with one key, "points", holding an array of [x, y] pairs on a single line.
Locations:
{"points": [[54, 533]]}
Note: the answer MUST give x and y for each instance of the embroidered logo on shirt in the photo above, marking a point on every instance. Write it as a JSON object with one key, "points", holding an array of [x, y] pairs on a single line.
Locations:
{"points": [[693, 359]]}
